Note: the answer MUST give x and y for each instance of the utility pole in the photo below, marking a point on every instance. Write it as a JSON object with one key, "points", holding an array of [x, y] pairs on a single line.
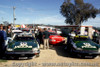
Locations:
{"points": [[65, 0], [2, 21], [14, 15]]}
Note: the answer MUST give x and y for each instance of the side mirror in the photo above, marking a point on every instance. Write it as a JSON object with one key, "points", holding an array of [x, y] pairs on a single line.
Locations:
{"points": [[10, 40]]}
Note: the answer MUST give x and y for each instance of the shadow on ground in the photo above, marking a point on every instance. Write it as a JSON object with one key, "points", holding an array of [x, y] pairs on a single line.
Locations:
{"points": [[60, 50]]}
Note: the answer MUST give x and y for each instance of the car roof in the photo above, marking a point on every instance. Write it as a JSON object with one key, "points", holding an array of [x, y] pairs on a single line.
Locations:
{"points": [[24, 35], [81, 36]]}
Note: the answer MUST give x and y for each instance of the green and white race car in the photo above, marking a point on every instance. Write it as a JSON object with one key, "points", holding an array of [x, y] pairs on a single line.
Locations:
{"points": [[22, 45], [83, 46]]}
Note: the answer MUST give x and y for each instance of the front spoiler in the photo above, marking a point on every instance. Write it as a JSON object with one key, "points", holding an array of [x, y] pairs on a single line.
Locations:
{"points": [[86, 52], [12, 52]]}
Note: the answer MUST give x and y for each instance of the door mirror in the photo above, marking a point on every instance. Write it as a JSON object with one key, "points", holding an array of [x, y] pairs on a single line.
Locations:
{"points": [[10, 40]]}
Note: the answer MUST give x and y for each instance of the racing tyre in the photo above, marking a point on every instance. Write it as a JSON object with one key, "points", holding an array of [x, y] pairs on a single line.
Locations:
{"points": [[37, 55], [95, 57], [30, 57]]}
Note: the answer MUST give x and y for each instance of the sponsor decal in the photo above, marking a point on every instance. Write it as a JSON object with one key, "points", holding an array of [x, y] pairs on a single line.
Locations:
{"points": [[88, 45], [24, 35], [81, 36], [23, 45]]}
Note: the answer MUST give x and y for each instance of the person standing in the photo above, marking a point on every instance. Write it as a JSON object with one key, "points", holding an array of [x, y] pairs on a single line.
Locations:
{"points": [[9, 31], [99, 38], [72, 33], [95, 36], [78, 32], [46, 38], [56, 31], [86, 32], [3, 38], [40, 37], [36, 32], [37, 35]]}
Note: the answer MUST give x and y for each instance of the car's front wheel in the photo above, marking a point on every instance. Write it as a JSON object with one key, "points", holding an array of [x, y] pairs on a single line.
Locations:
{"points": [[37, 55], [30, 57], [95, 56]]}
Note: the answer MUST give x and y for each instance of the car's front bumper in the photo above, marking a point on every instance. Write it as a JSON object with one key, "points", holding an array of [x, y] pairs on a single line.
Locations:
{"points": [[56, 42], [22, 53], [86, 52]]}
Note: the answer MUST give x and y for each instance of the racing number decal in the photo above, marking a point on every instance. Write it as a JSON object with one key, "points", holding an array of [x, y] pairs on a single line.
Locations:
{"points": [[23, 44], [87, 44]]}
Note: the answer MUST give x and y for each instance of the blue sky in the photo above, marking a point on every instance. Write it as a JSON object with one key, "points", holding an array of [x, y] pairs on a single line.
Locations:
{"points": [[39, 12]]}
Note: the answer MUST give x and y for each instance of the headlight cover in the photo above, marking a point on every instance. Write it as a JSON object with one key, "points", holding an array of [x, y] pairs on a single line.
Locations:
{"points": [[99, 50], [9, 49], [79, 48], [74, 45], [35, 49], [52, 40]]}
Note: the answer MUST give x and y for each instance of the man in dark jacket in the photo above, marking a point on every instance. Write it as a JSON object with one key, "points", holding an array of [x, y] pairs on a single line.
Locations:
{"points": [[3, 38], [40, 36], [9, 31], [95, 36]]}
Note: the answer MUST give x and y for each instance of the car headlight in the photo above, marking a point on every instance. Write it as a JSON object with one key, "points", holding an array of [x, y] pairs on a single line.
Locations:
{"points": [[9, 49], [99, 50], [79, 48], [35, 49], [52, 40], [74, 45]]}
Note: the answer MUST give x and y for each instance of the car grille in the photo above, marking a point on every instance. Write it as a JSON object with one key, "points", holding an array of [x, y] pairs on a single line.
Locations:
{"points": [[22, 50], [90, 50]]}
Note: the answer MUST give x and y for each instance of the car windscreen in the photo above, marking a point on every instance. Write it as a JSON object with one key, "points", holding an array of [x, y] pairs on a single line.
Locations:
{"points": [[53, 34], [24, 38], [81, 39], [15, 29], [26, 30], [17, 32]]}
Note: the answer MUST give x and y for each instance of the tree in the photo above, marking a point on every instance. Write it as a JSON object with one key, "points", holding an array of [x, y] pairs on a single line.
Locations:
{"points": [[78, 12]]}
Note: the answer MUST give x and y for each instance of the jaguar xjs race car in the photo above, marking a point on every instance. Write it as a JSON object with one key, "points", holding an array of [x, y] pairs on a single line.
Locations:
{"points": [[83, 46], [23, 45]]}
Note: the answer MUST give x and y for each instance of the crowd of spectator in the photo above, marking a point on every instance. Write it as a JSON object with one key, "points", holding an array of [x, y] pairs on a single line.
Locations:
{"points": [[42, 36]]}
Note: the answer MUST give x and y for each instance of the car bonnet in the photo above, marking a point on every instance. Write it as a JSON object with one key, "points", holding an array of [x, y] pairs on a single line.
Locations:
{"points": [[23, 45], [86, 45]]}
